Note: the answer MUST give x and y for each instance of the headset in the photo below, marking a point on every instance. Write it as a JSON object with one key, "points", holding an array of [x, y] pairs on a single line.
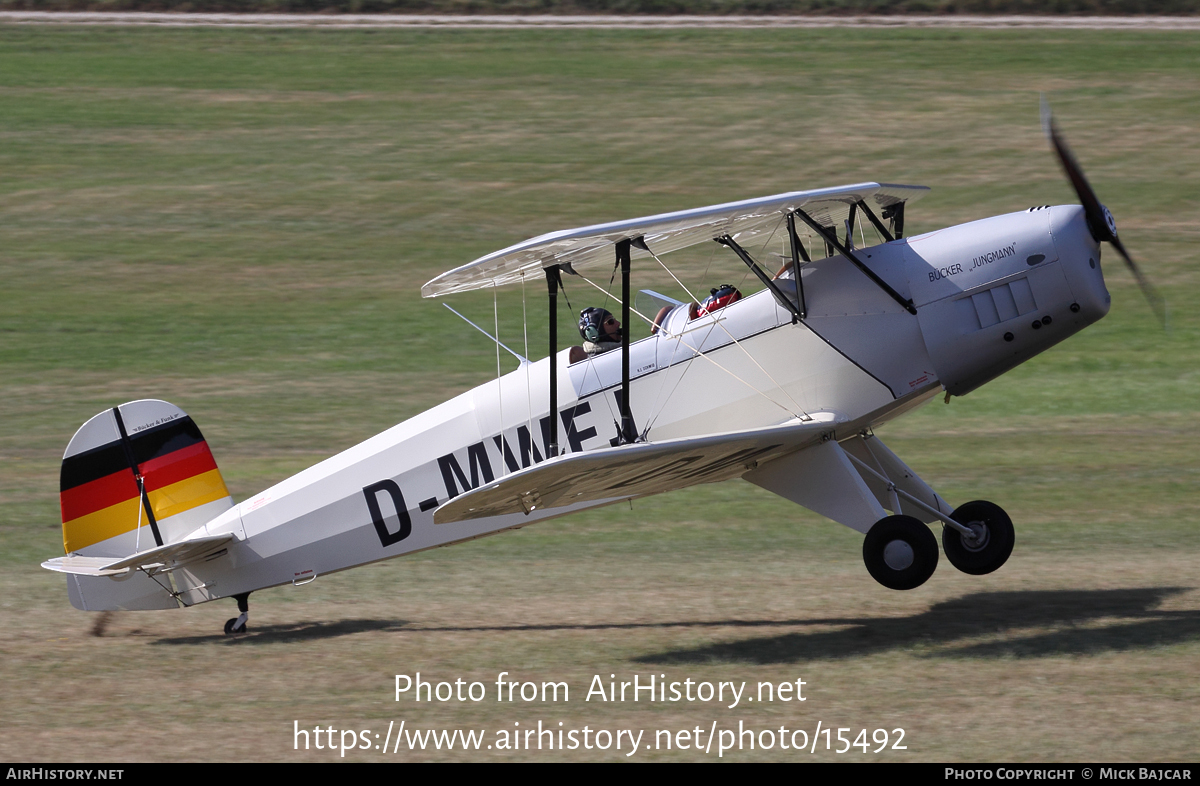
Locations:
{"points": [[591, 325]]}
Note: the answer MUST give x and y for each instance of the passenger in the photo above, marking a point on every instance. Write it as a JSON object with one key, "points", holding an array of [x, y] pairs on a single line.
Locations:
{"points": [[718, 299], [600, 330]]}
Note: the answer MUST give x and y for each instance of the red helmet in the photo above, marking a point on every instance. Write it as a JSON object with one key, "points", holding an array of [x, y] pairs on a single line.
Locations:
{"points": [[719, 298]]}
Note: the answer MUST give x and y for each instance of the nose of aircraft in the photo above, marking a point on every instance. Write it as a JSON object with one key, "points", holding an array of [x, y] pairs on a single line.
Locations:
{"points": [[1099, 219], [1079, 252]]}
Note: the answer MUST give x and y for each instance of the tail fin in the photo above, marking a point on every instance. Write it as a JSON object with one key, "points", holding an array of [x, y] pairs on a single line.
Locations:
{"points": [[137, 476]]}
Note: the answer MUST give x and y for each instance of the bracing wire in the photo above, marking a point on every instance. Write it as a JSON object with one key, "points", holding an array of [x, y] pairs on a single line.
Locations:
{"points": [[712, 254], [525, 328], [499, 379], [591, 366], [654, 409], [717, 323], [644, 318], [137, 539]]}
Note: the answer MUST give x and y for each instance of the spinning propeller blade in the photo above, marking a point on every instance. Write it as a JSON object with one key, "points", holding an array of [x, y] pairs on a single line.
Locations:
{"points": [[1100, 220]]}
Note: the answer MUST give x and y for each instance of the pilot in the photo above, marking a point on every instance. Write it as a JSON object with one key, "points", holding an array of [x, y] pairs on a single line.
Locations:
{"points": [[600, 330]]}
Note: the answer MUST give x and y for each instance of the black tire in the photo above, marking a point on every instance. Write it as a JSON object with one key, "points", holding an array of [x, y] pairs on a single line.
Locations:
{"points": [[900, 552], [993, 546], [229, 626]]}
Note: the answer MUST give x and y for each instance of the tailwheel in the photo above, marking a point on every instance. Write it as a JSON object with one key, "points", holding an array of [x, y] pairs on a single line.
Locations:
{"points": [[900, 552], [989, 545], [238, 623]]}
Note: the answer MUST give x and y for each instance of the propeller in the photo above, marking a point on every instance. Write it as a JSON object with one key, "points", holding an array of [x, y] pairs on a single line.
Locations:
{"points": [[1100, 220]]}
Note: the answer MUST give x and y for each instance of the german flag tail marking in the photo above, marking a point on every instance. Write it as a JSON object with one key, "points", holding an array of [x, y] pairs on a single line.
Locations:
{"points": [[137, 476]]}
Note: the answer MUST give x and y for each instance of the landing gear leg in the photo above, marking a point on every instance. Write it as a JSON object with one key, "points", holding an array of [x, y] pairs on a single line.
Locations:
{"points": [[238, 623], [900, 552]]}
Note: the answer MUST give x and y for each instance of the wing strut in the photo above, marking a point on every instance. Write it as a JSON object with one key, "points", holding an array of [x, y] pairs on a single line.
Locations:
{"points": [[831, 239], [797, 248], [887, 236], [726, 240], [628, 432], [896, 214], [553, 282]]}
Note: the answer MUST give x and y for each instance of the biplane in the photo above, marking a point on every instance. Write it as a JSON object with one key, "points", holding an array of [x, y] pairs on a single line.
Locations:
{"points": [[782, 387]]}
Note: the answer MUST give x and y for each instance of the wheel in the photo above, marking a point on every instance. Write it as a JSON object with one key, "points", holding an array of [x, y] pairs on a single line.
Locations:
{"points": [[900, 552], [993, 541], [230, 629]]}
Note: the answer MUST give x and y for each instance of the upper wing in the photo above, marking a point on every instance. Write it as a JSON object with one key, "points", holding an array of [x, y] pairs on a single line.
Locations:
{"points": [[633, 470], [154, 560], [666, 232]]}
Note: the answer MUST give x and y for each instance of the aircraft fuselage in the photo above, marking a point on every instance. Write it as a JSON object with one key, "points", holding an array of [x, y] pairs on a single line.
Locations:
{"points": [[989, 295]]}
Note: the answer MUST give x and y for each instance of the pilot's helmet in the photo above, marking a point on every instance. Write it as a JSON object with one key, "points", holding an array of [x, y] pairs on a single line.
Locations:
{"points": [[591, 323], [719, 298]]}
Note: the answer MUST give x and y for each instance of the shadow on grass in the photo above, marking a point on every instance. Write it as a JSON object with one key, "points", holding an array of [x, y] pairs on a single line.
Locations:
{"points": [[1076, 618], [321, 630], [299, 631], [1080, 621]]}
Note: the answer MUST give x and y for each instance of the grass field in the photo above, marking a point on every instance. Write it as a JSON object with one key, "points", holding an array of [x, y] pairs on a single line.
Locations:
{"points": [[239, 222]]}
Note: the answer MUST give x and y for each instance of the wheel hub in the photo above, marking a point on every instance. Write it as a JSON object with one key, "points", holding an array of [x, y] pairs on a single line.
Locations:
{"points": [[898, 555], [979, 538]]}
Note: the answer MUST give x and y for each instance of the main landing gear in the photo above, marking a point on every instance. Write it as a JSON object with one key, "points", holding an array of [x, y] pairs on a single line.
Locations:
{"points": [[901, 552], [238, 623], [989, 544]]}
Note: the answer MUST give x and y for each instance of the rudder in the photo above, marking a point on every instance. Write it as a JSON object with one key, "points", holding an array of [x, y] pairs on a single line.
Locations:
{"points": [[105, 512]]}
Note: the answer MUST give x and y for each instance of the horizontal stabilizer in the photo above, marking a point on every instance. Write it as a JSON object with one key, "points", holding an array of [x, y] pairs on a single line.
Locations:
{"points": [[155, 560], [635, 470]]}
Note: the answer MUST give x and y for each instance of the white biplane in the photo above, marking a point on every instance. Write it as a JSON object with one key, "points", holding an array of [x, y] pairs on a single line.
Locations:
{"points": [[845, 337]]}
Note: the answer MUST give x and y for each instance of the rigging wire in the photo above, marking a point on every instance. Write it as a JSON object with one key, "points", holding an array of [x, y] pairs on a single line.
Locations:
{"points": [[699, 353], [499, 382], [137, 539], [712, 254], [528, 387], [590, 366], [717, 323], [644, 318], [658, 397]]}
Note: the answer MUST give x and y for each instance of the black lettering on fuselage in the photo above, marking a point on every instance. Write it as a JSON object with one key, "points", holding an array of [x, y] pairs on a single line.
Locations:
{"points": [[371, 492], [479, 466], [945, 272], [506, 453], [526, 447], [993, 256], [451, 470], [575, 437]]}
